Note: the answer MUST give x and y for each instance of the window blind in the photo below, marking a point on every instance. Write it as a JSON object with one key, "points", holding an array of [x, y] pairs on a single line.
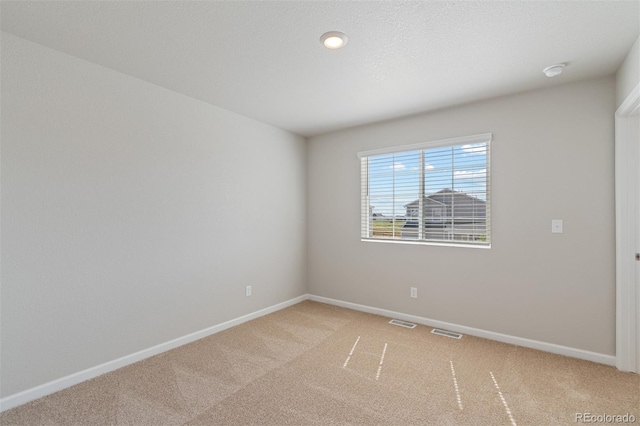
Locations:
{"points": [[436, 191]]}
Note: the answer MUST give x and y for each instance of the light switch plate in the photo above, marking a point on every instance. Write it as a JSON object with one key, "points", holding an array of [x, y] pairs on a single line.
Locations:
{"points": [[556, 226]]}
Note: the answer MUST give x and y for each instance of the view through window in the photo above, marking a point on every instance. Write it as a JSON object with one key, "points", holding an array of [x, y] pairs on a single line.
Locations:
{"points": [[431, 192]]}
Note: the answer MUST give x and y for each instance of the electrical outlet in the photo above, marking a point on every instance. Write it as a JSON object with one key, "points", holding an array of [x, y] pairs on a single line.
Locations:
{"points": [[247, 290], [414, 292]]}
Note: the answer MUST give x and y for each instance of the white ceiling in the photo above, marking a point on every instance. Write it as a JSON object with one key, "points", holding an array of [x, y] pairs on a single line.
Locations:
{"points": [[264, 59]]}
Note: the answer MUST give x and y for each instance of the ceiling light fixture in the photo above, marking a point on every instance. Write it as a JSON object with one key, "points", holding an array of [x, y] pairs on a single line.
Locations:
{"points": [[554, 70], [333, 40]]}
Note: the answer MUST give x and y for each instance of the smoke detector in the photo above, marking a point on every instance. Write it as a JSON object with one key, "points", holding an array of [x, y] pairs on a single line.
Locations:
{"points": [[554, 70]]}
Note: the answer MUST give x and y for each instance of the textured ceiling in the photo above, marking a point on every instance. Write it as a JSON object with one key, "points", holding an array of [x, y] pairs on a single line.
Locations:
{"points": [[264, 59]]}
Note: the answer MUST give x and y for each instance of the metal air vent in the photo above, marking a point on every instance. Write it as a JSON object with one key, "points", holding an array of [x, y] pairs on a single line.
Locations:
{"points": [[446, 333], [401, 323]]}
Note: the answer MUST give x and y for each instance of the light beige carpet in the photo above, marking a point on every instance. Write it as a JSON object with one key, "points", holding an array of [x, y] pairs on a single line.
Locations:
{"points": [[315, 364]]}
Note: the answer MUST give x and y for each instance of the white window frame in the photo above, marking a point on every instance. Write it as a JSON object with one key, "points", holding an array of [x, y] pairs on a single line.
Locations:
{"points": [[442, 143]]}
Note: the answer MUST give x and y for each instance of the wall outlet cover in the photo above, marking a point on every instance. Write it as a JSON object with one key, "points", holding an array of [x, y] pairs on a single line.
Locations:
{"points": [[556, 226]]}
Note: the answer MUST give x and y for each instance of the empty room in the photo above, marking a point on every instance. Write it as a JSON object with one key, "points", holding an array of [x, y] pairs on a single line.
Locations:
{"points": [[319, 212]]}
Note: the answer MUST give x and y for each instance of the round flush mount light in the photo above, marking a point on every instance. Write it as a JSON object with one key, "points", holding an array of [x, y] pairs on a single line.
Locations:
{"points": [[333, 40], [554, 70]]}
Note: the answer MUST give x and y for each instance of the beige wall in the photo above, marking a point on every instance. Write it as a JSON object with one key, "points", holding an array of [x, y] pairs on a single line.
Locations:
{"points": [[628, 76], [132, 215], [552, 158]]}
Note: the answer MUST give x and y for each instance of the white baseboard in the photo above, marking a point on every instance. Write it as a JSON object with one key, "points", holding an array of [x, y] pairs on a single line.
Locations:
{"points": [[23, 397], [505, 338]]}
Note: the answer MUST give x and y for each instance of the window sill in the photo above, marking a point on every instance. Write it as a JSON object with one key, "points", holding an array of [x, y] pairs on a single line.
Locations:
{"points": [[426, 243]]}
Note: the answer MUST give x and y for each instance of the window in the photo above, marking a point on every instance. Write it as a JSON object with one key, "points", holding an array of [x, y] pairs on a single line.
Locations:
{"points": [[434, 192]]}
